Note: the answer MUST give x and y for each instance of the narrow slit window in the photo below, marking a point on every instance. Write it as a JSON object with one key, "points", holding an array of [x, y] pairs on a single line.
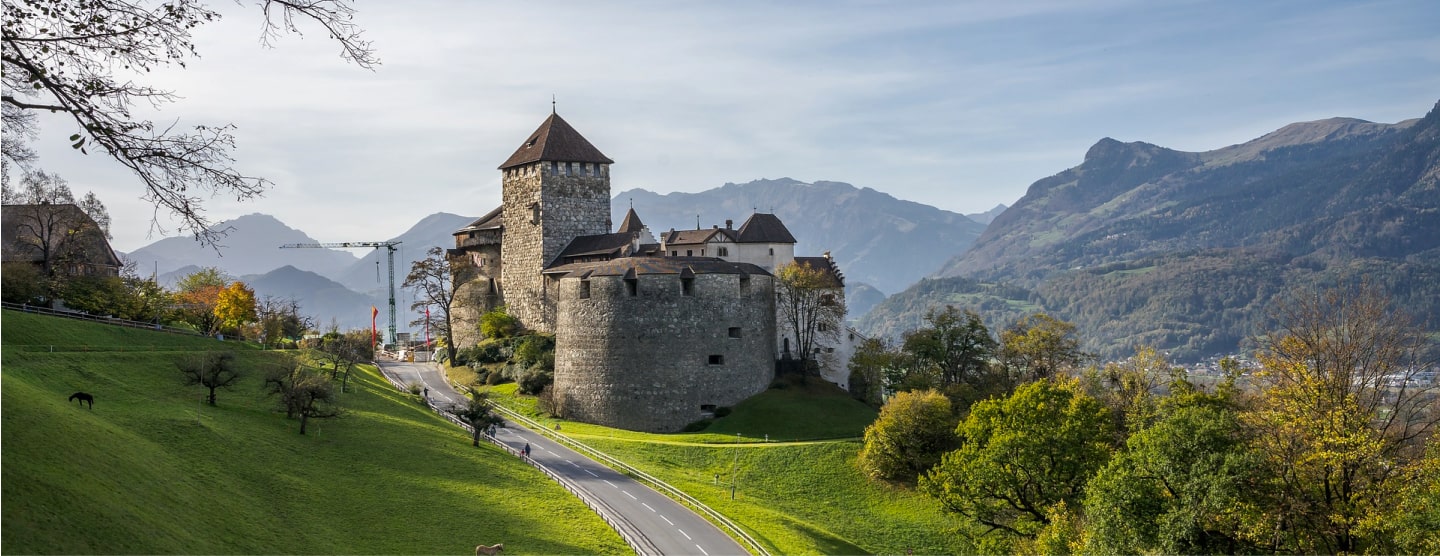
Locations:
{"points": [[687, 286], [632, 286], [584, 289], [735, 332], [717, 359]]}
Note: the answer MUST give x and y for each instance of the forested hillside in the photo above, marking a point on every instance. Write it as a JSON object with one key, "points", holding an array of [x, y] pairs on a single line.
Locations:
{"points": [[1183, 251]]}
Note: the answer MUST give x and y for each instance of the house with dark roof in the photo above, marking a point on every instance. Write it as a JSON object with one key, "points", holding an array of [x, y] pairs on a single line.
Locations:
{"points": [[59, 238]]}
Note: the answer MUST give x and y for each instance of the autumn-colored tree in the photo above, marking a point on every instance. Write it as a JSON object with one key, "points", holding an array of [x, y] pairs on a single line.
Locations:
{"points": [[196, 296], [1040, 346], [235, 306], [913, 430], [1342, 412], [811, 303]]}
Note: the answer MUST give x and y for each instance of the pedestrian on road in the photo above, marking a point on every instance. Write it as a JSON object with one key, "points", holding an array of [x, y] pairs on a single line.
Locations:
{"points": [[427, 392], [527, 449]]}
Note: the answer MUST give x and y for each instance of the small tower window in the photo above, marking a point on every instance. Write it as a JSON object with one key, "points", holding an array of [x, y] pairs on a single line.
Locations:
{"points": [[735, 332], [553, 170], [584, 289], [689, 253], [744, 282], [723, 252], [674, 253], [632, 286], [717, 359], [772, 251], [827, 299], [687, 286], [534, 213]]}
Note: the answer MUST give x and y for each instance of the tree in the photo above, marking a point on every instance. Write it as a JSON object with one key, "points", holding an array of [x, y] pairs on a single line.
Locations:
{"points": [[811, 303], [279, 320], [479, 414], [343, 351], [196, 298], [873, 368], [302, 393], [1040, 346], [1022, 455], [1342, 411], [212, 369], [1131, 387], [53, 227], [955, 343], [81, 58], [1184, 485], [235, 306], [913, 430], [434, 288]]}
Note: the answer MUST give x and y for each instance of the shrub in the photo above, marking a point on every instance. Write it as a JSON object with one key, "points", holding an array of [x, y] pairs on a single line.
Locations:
{"points": [[535, 380], [913, 430], [535, 348], [498, 324]]}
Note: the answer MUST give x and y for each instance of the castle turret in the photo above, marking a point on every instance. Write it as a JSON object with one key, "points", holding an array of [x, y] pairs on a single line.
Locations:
{"points": [[556, 187]]}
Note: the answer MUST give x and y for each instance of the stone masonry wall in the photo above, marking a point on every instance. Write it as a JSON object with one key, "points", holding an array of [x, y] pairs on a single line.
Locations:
{"points": [[644, 362], [568, 206]]}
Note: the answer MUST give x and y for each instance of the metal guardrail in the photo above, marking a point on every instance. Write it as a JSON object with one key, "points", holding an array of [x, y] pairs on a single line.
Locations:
{"points": [[664, 487], [627, 531]]}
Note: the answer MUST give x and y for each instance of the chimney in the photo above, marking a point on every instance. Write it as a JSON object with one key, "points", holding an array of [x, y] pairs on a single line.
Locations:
{"points": [[714, 226], [729, 224]]}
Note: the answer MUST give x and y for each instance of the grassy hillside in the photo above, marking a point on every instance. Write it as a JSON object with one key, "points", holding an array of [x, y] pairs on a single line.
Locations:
{"points": [[151, 470], [795, 494]]}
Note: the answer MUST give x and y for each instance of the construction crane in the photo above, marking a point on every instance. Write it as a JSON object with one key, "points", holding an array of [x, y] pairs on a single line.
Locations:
{"points": [[390, 256]]}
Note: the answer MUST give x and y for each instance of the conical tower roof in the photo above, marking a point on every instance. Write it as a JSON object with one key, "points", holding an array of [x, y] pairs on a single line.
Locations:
{"points": [[631, 223], [555, 140]]}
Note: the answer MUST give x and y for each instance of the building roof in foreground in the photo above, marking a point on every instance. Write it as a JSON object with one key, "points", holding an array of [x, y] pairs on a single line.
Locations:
{"points": [[764, 228], [555, 140], [635, 266], [492, 220]]}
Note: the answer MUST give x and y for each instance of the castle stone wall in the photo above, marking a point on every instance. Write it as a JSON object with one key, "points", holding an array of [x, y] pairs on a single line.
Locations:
{"points": [[643, 362], [544, 208]]}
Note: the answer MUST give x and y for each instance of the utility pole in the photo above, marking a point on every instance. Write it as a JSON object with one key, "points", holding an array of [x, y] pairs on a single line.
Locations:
{"points": [[390, 247]]}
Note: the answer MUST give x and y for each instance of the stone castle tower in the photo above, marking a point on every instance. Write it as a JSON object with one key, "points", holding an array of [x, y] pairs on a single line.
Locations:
{"points": [[556, 187]]}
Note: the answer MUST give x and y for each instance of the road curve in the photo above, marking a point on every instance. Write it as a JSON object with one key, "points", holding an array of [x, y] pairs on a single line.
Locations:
{"points": [[671, 527]]}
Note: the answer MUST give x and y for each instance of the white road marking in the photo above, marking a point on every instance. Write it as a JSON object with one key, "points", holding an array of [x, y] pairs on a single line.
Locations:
{"points": [[647, 506], [667, 520], [702, 550], [592, 473], [687, 536], [607, 481], [632, 496]]}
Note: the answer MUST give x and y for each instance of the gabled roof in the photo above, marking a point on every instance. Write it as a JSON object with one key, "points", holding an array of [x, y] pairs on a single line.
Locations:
{"points": [[764, 228], [631, 223], [602, 245], [555, 140], [697, 237], [491, 220], [17, 233]]}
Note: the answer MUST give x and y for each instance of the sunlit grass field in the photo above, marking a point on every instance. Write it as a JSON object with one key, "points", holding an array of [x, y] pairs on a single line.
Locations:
{"points": [[152, 470], [800, 493]]}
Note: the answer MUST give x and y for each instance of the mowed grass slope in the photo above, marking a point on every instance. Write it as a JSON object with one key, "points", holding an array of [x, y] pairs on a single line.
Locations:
{"points": [[801, 493], [151, 470]]}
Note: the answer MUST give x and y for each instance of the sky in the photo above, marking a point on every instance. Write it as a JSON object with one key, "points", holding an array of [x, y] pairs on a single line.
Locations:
{"points": [[959, 105]]}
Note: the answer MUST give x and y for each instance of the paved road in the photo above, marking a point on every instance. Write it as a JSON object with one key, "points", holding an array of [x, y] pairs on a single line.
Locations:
{"points": [[671, 527]]}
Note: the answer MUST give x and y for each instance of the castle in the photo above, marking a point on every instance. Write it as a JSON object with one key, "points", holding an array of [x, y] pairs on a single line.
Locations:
{"points": [[650, 335]]}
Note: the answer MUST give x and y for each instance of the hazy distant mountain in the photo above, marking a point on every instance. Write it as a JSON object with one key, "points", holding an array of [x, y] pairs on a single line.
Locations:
{"points": [[320, 298], [432, 231], [987, 216], [1141, 244], [877, 239], [250, 246], [860, 298]]}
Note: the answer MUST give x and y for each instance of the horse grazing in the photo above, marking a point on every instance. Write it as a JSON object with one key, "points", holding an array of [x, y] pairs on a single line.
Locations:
{"points": [[490, 550], [84, 399]]}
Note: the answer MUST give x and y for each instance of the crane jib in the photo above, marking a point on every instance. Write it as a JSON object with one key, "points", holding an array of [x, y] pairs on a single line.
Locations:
{"points": [[389, 256]]}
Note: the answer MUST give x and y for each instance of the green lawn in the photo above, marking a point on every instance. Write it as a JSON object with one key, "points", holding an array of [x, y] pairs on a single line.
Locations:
{"points": [[796, 495], [151, 470]]}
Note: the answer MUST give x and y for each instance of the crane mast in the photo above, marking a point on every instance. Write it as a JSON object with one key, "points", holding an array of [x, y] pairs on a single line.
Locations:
{"points": [[389, 256]]}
